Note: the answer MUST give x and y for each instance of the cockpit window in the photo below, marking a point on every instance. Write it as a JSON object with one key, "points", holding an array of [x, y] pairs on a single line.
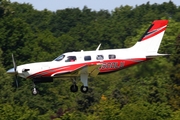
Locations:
{"points": [[70, 59], [59, 58]]}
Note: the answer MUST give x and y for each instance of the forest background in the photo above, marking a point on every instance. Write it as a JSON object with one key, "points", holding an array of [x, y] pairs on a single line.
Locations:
{"points": [[149, 91]]}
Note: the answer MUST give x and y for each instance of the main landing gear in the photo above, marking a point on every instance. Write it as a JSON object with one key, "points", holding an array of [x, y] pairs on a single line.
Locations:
{"points": [[74, 88], [84, 80], [84, 87]]}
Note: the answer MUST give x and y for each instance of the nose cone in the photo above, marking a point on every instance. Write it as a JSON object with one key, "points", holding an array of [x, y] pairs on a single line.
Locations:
{"points": [[12, 71]]}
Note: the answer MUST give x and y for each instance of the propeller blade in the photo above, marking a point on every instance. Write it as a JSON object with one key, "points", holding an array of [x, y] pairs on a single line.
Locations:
{"points": [[15, 70], [16, 80], [14, 63]]}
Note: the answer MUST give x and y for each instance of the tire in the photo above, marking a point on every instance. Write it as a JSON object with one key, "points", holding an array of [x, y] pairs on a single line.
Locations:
{"points": [[34, 91], [74, 88], [84, 89]]}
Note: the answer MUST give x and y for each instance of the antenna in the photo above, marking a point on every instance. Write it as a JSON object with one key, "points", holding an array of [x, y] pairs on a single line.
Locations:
{"points": [[98, 47]]}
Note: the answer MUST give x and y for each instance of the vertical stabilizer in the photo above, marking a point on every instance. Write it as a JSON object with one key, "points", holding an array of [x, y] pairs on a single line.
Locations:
{"points": [[151, 39]]}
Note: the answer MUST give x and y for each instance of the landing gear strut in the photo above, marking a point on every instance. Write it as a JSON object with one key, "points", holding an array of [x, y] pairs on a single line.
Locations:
{"points": [[84, 80]]}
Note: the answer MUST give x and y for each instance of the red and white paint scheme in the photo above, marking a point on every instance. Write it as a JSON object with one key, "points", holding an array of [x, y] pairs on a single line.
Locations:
{"points": [[86, 64]]}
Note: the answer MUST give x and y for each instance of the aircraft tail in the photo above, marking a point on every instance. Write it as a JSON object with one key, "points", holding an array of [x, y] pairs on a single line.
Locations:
{"points": [[151, 39]]}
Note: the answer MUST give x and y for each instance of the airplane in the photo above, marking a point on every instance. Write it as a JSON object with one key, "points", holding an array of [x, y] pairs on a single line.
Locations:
{"points": [[85, 64]]}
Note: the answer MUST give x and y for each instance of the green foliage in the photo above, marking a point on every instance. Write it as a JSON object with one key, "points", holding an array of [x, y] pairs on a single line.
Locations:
{"points": [[144, 92], [15, 112], [145, 111], [106, 109]]}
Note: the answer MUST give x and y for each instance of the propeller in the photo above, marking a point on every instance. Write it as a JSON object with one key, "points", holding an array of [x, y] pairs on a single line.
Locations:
{"points": [[15, 70]]}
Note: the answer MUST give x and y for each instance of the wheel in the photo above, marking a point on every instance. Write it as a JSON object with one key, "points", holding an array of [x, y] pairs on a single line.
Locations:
{"points": [[84, 89], [34, 91], [74, 88]]}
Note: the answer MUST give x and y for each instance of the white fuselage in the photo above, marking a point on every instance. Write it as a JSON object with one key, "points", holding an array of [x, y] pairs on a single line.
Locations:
{"points": [[124, 55]]}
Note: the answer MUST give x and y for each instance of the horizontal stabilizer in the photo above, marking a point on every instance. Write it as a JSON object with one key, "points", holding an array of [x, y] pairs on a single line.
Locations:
{"points": [[156, 55]]}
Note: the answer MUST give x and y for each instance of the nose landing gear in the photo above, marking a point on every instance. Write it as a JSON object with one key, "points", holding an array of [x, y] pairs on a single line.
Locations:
{"points": [[34, 90]]}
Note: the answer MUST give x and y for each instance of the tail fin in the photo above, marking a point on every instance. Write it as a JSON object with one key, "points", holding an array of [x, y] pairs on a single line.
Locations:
{"points": [[151, 39]]}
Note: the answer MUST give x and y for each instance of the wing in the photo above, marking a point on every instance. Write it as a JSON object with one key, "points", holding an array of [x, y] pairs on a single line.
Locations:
{"points": [[91, 70]]}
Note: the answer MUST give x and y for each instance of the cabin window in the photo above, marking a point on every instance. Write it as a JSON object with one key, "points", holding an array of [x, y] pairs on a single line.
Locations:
{"points": [[112, 56], [87, 58], [59, 58], [70, 59], [100, 57]]}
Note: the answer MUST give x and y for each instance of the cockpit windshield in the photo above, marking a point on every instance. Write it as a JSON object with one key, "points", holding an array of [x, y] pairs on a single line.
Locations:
{"points": [[59, 58]]}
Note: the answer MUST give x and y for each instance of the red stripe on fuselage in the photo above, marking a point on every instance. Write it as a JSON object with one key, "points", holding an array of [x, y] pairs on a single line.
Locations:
{"points": [[107, 66], [49, 72], [114, 65]]}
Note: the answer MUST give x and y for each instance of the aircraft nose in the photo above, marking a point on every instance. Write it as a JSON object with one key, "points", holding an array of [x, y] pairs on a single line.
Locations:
{"points": [[11, 71]]}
